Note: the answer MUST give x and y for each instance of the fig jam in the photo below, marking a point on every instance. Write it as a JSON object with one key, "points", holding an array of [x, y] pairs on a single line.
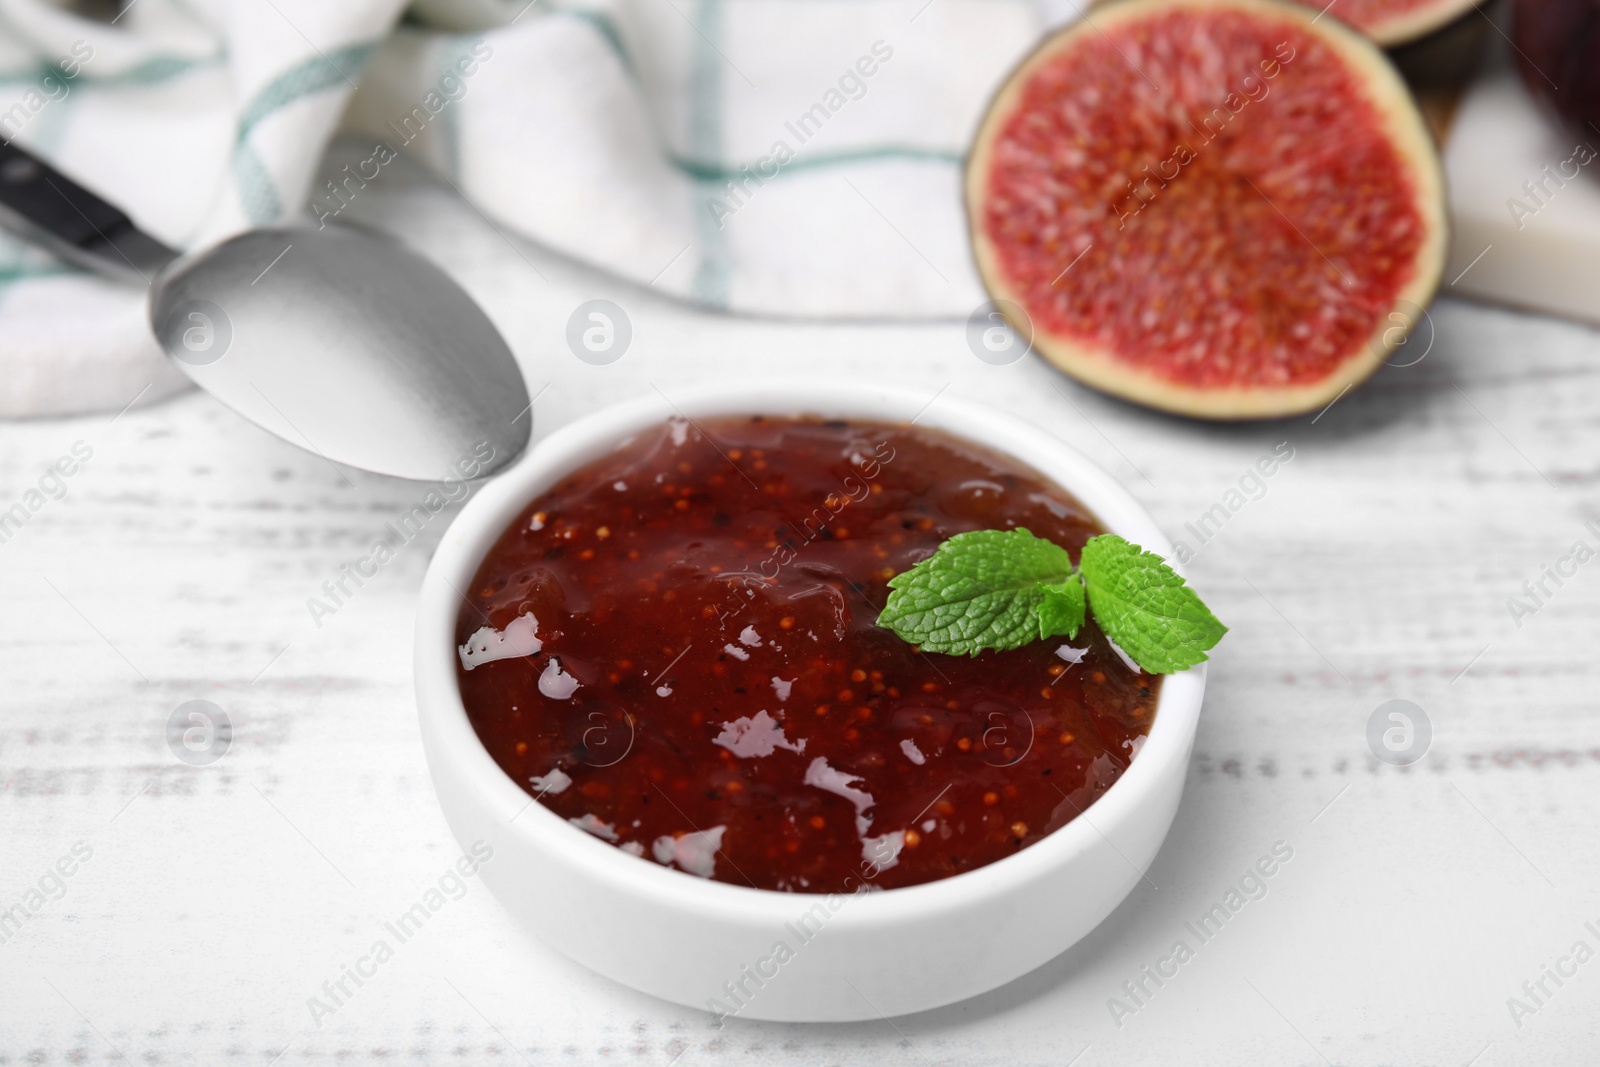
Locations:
{"points": [[676, 649]]}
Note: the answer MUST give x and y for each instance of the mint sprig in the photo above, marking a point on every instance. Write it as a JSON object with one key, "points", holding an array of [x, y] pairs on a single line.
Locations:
{"points": [[1002, 589]]}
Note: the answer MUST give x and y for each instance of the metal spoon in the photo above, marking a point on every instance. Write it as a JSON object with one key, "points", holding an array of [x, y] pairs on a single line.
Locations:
{"points": [[339, 340]]}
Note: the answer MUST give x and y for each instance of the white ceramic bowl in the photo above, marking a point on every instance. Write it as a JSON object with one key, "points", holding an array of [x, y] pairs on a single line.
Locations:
{"points": [[691, 940]]}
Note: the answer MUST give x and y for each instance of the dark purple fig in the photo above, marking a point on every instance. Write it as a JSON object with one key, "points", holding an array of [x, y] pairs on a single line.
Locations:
{"points": [[1558, 54]]}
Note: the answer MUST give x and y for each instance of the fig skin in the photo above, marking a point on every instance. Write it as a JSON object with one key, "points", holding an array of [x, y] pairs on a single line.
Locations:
{"points": [[1558, 44], [1418, 29]]}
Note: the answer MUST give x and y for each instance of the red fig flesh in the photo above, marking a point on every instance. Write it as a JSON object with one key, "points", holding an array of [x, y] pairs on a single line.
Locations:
{"points": [[1224, 208]]}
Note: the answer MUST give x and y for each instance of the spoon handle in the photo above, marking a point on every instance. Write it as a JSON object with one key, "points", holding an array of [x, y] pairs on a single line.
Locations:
{"points": [[40, 203]]}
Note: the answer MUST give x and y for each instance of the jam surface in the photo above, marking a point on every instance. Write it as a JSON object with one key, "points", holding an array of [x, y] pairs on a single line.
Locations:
{"points": [[675, 649]]}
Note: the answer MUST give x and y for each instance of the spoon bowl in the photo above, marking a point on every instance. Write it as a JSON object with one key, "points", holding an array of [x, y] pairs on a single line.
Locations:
{"points": [[337, 339], [345, 342]]}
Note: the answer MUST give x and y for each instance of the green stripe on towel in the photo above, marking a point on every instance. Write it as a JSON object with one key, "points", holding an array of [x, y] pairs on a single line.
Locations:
{"points": [[710, 284], [315, 74], [717, 172], [311, 75], [605, 28]]}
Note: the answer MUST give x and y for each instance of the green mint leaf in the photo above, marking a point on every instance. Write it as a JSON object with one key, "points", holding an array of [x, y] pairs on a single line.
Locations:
{"points": [[1145, 607], [1061, 610], [1002, 589], [979, 590]]}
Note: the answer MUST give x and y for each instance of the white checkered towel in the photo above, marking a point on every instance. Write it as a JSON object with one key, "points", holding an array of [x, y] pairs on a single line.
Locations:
{"points": [[789, 157]]}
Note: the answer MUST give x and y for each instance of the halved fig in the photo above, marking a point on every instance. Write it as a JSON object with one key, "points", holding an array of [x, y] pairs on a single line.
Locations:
{"points": [[1224, 208]]}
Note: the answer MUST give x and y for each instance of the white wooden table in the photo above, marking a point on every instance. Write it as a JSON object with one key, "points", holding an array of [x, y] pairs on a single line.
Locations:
{"points": [[217, 899]]}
